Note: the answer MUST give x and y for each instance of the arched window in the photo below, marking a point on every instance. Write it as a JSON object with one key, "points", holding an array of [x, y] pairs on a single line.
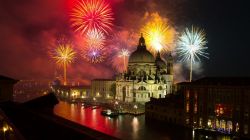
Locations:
{"points": [[160, 88], [142, 88]]}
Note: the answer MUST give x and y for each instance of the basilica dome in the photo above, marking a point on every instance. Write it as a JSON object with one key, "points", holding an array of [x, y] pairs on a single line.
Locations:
{"points": [[141, 55]]}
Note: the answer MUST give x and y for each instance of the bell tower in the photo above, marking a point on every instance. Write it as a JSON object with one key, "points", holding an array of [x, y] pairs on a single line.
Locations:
{"points": [[170, 64]]}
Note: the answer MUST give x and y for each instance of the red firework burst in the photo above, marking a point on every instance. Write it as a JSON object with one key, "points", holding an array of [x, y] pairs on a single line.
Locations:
{"points": [[91, 14]]}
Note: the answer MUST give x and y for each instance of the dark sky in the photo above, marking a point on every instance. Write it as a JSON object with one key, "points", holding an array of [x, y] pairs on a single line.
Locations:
{"points": [[28, 27]]}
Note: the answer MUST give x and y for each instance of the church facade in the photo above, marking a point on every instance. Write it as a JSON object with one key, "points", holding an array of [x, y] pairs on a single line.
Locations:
{"points": [[146, 76]]}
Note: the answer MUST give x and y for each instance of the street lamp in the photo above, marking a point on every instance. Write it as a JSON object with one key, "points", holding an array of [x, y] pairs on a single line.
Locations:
{"points": [[135, 107], [4, 130]]}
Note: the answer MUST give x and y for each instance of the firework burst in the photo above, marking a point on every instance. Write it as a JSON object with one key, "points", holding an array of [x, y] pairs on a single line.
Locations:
{"points": [[121, 44], [158, 34], [191, 45], [91, 14], [124, 53], [64, 55], [93, 49], [95, 38], [94, 55]]}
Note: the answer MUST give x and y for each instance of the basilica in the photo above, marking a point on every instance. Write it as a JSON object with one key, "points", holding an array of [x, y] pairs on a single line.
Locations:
{"points": [[146, 76]]}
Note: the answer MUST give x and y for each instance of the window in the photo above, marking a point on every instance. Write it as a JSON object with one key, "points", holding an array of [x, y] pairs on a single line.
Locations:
{"points": [[187, 94], [200, 122], [245, 129], [195, 108], [160, 88], [237, 127], [187, 107], [141, 88], [209, 123]]}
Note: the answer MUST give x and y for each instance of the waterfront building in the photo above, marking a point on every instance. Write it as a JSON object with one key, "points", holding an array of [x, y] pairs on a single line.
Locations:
{"points": [[145, 76], [72, 92], [168, 110], [220, 104], [103, 88]]}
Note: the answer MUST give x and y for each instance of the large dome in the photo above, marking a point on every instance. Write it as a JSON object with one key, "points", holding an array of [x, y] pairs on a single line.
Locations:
{"points": [[141, 55]]}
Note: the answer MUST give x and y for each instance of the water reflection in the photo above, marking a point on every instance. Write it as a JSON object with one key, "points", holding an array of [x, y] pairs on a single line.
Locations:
{"points": [[126, 127], [135, 126]]}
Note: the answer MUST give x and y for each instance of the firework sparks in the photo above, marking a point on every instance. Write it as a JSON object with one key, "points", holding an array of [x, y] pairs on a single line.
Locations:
{"points": [[191, 45], [124, 53], [158, 34], [95, 38], [121, 44], [94, 55], [91, 14], [64, 55], [93, 50]]}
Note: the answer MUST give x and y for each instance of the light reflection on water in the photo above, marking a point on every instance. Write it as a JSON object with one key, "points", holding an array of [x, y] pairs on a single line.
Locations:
{"points": [[126, 127]]}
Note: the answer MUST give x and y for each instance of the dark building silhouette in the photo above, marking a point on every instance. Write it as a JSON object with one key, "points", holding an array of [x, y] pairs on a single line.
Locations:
{"points": [[221, 104], [6, 88], [34, 120]]}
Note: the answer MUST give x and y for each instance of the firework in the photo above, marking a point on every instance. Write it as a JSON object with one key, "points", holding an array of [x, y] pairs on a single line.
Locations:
{"points": [[94, 55], [93, 50], [158, 34], [64, 55], [124, 53], [91, 14], [191, 45], [94, 38], [120, 45]]}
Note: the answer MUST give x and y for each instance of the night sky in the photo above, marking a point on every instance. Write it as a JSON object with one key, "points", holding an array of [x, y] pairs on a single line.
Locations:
{"points": [[29, 27]]}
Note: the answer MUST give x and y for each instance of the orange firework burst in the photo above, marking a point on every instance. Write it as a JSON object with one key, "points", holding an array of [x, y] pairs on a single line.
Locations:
{"points": [[159, 35], [91, 14], [64, 55]]}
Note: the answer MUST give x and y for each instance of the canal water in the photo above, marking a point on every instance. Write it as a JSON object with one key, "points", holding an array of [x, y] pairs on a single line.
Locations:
{"points": [[125, 127]]}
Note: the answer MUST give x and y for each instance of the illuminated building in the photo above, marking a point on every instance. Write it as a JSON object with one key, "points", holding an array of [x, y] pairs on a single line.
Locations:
{"points": [[103, 88], [72, 92], [220, 104], [145, 77]]}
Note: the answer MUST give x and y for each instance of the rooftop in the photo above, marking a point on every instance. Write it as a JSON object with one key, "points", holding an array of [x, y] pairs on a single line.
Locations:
{"points": [[5, 78], [103, 80], [225, 81]]}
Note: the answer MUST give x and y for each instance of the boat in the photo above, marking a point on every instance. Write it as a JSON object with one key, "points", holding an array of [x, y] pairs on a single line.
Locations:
{"points": [[109, 113], [95, 107]]}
